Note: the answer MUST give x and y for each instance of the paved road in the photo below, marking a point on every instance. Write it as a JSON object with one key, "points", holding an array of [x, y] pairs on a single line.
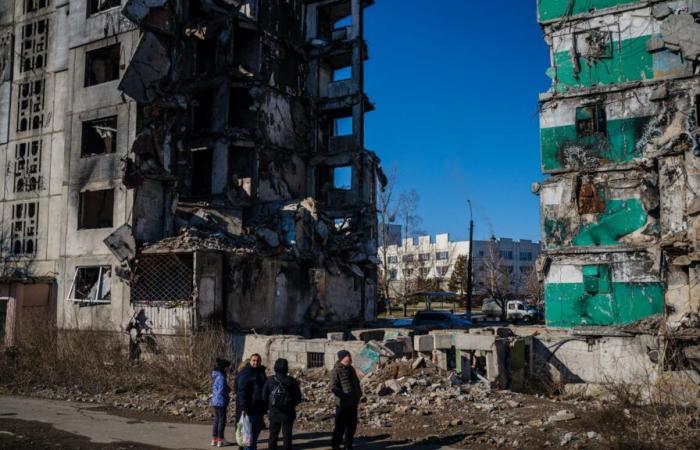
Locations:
{"points": [[101, 427]]}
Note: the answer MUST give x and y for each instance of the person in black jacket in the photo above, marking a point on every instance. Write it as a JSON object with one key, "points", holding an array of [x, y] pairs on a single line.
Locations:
{"points": [[249, 385], [345, 385], [282, 394]]}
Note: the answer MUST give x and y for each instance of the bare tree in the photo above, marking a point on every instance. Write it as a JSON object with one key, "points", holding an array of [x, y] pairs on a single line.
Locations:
{"points": [[496, 278], [387, 210], [408, 263], [534, 288]]}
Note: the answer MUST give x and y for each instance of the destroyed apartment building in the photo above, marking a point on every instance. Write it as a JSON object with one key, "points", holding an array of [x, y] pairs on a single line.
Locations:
{"points": [[185, 162], [619, 133]]}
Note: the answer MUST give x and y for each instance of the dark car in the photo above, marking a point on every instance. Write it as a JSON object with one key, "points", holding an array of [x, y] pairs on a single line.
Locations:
{"points": [[439, 320]]}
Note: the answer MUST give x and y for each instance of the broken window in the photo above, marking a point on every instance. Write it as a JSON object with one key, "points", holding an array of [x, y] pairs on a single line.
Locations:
{"points": [[24, 228], [441, 256], [31, 6], [27, 166], [342, 126], [92, 285], [203, 111], [590, 120], [423, 257], [241, 112], [342, 178], [99, 137], [31, 106], [591, 199], [102, 65], [163, 277], [314, 359], [342, 223], [246, 51], [202, 160], [334, 20], [95, 209], [593, 45], [34, 45], [342, 73], [205, 56], [95, 6]]}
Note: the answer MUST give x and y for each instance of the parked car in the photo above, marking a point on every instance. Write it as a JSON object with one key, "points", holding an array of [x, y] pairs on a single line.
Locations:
{"points": [[438, 320]]}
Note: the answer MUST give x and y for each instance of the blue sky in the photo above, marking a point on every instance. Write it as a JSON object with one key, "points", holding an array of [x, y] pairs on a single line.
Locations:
{"points": [[455, 83]]}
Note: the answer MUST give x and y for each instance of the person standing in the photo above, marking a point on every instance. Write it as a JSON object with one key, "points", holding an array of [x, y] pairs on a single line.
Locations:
{"points": [[219, 401], [249, 385], [345, 385], [282, 394]]}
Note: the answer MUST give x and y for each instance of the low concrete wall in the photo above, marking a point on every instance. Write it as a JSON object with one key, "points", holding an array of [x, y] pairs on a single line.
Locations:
{"points": [[594, 359]]}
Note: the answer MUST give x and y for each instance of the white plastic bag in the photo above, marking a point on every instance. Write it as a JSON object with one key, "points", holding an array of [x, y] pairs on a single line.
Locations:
{"points": [[244, 432]]}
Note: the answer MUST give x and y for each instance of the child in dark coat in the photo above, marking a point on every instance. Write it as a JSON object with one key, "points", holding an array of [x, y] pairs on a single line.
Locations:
{"points": [[219, 401]]}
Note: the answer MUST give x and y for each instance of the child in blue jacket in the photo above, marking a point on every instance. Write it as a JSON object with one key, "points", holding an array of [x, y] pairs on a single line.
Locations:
{"points": [[219, 401]]}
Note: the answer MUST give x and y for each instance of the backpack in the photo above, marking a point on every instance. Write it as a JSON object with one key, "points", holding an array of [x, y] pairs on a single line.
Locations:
{"points": [[281, 398]]}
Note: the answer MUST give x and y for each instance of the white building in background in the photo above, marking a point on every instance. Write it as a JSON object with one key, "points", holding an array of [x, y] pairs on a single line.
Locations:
{"points": [[428, 258]]}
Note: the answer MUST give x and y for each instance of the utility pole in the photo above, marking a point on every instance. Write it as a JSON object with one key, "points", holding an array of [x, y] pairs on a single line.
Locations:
{"points": [[469, 262]]}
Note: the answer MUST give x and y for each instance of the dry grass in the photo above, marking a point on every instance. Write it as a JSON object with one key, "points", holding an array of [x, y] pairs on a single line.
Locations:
{"points": [[96, 362]]}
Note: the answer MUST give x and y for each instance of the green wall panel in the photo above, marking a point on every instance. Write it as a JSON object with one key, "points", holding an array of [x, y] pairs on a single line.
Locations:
{"points": [[618, 145], [568, 304], [620, 218], [630, 61], [553, 9]]}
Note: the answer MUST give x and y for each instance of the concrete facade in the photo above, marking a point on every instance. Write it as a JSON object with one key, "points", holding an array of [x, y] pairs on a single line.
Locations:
{"points": [[195, 161], [618, 134]]}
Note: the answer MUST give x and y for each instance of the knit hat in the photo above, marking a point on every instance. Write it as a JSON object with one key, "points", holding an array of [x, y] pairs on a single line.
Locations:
{"points": [[342, 354], [281, 366], [222, 364]]}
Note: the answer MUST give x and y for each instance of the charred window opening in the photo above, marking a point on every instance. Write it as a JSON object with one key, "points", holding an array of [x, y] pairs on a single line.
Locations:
{"points": [[590, 120], [203, 111], [315, 359], [99, 137], [342, 126], [205, 56], [334, 21], [163, 277], [342, 73], [242, 113], [31, 106], [342, 223], [31, 6], [102, 65], [92, 284], [34, 45], [591, 199], [27, 166], [243, 167], [96, 6], [202, 160], [697, 110], [246, 51], [95, 209], [342, 178], [24, 228]]}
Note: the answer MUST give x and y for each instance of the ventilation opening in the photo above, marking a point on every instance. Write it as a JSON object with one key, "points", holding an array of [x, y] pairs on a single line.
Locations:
{"points": [[315, 359]]}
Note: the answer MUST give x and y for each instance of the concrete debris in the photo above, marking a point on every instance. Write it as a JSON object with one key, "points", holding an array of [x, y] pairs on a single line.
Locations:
{"points": [[562, 416], [149, 65], [122, 243], [681, 33]]}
